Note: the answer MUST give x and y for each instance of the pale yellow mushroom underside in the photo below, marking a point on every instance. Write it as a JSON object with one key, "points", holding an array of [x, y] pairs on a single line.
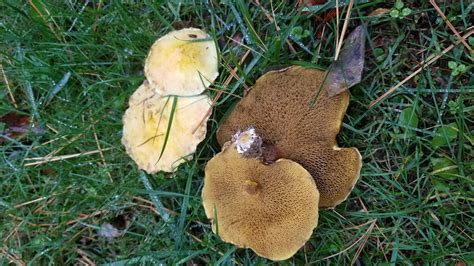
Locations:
{"points": [[182, 63], [146, 125]]}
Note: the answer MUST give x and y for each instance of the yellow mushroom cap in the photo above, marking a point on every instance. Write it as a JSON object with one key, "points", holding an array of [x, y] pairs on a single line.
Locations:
{"points": [[145, 126], [271, 209], [297, 120], [182, 63]]}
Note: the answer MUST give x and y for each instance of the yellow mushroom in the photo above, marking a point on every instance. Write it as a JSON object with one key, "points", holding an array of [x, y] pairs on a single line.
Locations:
{"points": [[297, 120], [271, 209], [182, 63], [146, 123]]}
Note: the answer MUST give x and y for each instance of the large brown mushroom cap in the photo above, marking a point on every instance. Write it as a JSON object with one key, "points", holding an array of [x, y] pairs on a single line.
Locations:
{"points": [[271, 209], [151, 117], [297, 120]]}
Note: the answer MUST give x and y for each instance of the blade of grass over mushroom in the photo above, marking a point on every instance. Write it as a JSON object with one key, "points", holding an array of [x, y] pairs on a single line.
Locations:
{"points": [[159, 206], [168, 130]]}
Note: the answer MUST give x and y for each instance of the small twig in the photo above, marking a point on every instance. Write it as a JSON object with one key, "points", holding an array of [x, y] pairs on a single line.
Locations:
{"points": [[102, 157], [31, 201], [233, 73], [84, 217], [244, 45], [38, 11], [350, 246], [7, 84], [424, 64], [85, 257], [150, 205], [364, 241], [337, 25], [37, 210], [344, 28], [460, 39], [13, 231], [13, 258], [271, 19], [99, 6], [42, 160], [220, 92]]}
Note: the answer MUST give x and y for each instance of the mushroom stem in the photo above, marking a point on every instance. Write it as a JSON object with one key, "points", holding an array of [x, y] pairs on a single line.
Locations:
{"points": [[248, 143], [270, 153]]}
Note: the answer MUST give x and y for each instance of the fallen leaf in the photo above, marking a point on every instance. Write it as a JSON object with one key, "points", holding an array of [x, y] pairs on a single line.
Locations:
{"points": [[347, 70], [325, 18], [378, 12], [328, 15], [48, 171], [15, 125], [237, 39]]}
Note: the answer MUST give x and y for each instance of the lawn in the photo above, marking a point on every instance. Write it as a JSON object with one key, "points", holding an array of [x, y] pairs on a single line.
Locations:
{"points": [[69, 67]]}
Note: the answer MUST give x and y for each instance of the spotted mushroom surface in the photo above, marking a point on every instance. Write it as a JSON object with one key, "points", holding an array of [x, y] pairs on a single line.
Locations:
{"points": [[297, 120], [182, 63], [271, 209], [146, 123]]}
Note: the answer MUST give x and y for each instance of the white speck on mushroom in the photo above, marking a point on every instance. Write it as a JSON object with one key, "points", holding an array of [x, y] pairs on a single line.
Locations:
{"points": [[248, 143]]}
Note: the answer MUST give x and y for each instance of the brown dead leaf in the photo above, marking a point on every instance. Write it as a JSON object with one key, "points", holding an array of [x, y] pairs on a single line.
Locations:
{"points": [[325, 18], [378, 12], [15, 125], [347, 70]]}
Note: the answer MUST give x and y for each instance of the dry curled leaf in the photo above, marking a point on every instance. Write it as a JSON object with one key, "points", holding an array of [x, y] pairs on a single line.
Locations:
{"points": [[15, 125], [347, 70], [378, 12]]}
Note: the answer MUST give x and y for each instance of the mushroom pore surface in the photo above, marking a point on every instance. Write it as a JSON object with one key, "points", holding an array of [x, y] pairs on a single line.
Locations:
{"points": [[297, 120], [146, 123], [271, 209]]}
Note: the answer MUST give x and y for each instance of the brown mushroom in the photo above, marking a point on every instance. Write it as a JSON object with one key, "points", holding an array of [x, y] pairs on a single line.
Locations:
{"points": [[271, 209], [297, 120]]}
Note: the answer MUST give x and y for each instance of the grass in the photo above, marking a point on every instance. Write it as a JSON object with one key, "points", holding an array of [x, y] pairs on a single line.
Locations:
{"points": [[71, 66]]}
